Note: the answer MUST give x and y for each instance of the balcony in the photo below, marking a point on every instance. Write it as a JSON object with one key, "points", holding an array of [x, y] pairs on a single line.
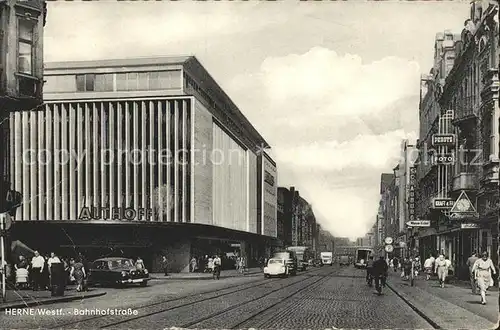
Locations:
{"points": [[490, 172], [466, 111], [465, 181]]}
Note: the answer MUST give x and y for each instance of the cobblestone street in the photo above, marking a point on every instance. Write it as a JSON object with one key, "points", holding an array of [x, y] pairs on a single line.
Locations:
{"points": [[320, 298]]}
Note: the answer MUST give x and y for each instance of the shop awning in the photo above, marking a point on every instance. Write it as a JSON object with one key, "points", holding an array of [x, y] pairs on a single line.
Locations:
{"points": [[19, 248]]}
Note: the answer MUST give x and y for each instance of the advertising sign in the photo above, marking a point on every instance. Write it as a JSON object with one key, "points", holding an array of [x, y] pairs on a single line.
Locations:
{"points": [[411, 193], [389, 248], [443, 203], [469, 226], [115, 213], [419, 223], [443, 159], [443, 140]]}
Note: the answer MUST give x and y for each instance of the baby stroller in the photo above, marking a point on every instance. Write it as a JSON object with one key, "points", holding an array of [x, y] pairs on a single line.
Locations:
{"points": [[22, 278]]}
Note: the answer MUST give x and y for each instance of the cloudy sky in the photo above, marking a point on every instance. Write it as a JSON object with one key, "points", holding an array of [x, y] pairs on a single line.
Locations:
{"points": [[332, 86]]}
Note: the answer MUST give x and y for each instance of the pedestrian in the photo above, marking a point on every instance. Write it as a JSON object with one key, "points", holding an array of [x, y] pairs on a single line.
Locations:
{"points": [[164, 264], [139, 264], [37, 266], [472, 276], [428, 263], [395, 264], [78, 272], [441, 268], [194, 264], [52, 260], [379, 272], [407, 268], [217, 267], [483, 268]]}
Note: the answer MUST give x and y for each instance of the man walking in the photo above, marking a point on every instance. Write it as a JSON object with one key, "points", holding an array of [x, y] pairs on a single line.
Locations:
{"points": [[470, 263]]}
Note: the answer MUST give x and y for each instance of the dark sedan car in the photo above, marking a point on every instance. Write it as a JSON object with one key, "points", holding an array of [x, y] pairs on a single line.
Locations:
{"points": [[117, 271]]}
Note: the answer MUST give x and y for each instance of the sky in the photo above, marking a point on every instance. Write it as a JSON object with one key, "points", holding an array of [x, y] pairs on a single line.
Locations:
{"points": [[332, 86]]}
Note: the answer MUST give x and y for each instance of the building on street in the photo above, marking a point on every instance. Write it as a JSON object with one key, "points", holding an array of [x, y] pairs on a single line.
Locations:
{"points": [[326, 241], [21, 77], [461, 101], [146, 157], [299, 222]]}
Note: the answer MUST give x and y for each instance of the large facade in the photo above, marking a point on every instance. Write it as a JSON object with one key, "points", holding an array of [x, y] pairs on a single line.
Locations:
{"points": [[143, 141], [461, 103]]}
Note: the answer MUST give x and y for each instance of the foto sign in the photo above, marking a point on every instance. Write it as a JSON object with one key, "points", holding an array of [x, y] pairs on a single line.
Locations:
{"points": [[443, 140], [443, 159], [419, 223], [443, 203]]}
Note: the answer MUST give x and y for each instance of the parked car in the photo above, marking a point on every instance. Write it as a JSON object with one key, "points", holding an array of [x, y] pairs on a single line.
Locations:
{"points": [[276, 267], [117, 271]]}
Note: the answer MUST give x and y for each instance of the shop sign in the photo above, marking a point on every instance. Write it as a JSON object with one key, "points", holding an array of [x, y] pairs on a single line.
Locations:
{"points": [[442, 203], [419, 223], [411, 193], [443, 140], [115, 213], [469, 226], [443, 159]]}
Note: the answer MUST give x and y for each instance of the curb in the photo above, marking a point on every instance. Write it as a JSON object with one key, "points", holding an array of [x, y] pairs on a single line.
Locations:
{"points": [[416, 309], [208, 277], [48, 301]]}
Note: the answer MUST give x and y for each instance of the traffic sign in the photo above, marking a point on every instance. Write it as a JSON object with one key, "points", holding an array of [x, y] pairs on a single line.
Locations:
{"points": [[463, 205], [389, 248], [419, 223], [388, 240]]}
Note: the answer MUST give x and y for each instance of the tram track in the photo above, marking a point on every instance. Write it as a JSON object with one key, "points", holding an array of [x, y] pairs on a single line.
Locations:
{"points": [[161, 306], [191, 307], [259, 311]]}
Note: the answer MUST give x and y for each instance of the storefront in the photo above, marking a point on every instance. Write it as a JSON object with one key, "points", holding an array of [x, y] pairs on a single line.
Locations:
{"points": [[179, 242]]}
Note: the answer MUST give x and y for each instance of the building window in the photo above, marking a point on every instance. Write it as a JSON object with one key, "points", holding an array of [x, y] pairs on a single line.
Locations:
{"points": [[25, 46]]}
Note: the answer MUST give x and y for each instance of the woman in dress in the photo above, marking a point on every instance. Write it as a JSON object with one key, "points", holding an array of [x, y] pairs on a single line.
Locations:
{"points": [[78, 272], [482, 270], [441, 267]]}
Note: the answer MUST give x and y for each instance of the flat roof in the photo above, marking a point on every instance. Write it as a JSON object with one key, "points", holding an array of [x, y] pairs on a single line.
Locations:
{"points": [[163, 61], [124, 62]]}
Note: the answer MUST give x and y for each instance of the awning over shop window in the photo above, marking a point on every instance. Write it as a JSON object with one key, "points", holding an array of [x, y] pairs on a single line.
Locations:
{"points": [[19, 248]]}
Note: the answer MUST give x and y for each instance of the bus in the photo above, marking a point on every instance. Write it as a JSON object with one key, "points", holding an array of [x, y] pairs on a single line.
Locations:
{"points": [[303, 254], [362, 255]]}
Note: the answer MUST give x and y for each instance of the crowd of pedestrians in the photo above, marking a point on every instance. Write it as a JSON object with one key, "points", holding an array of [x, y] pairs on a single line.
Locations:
{"points": [[44, 272], [481, 270]]}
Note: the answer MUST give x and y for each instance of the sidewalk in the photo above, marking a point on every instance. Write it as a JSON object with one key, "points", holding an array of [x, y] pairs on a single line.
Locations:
{"points": [[29, 298], [204, 276], [454, 307]]}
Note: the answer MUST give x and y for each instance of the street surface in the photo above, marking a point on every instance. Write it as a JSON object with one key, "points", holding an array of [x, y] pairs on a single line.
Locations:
{"points": [[325, 297]]}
